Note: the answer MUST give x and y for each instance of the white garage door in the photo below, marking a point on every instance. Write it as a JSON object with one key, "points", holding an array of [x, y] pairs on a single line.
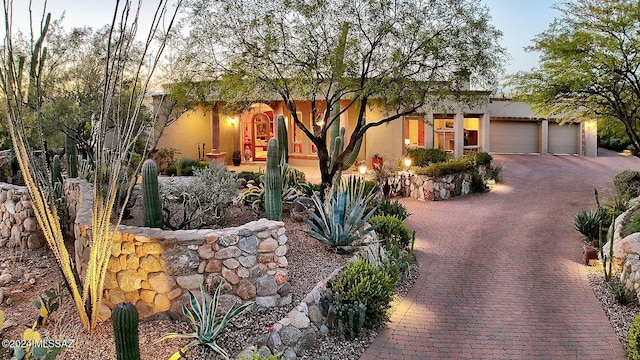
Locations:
{"points": [[564, 139], [514, 137]]}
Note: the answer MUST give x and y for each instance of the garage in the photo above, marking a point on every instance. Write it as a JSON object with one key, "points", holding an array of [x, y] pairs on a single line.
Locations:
{"points": [[564, 139], [514, 137]]}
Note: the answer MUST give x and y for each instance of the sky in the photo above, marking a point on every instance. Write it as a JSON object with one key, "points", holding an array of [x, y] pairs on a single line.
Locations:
{"points": [[519, 20]]}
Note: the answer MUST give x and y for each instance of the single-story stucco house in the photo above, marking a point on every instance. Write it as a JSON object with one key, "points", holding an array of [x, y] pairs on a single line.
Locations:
{"points": [[495, 125]]}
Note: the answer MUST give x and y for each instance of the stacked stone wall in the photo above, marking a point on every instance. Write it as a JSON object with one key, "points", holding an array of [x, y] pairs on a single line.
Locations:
{"points": [[18, 225], [154, 268]]}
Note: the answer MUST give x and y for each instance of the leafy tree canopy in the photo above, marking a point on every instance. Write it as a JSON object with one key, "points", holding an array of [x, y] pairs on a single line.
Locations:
{"points": [[589, 66], [405, 53]]}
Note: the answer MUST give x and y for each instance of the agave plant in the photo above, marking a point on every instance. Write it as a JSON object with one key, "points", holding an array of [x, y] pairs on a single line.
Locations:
{"points": [[341, 219], [207, 326]]}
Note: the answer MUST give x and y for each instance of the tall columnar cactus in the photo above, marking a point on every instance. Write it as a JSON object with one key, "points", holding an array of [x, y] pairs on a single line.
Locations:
{"points": [[56, 170], [283, 140], [150, 195], [273, 183], [72, 156], [125, 330]]}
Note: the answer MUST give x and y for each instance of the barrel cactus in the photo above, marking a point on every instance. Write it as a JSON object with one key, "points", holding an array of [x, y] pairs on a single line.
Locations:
{"points": [[150, 195], [273, 183], [72, 156], [125, 331]]}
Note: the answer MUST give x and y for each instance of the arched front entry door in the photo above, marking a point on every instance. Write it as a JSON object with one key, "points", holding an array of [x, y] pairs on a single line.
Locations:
{"points": [[257, 129]]}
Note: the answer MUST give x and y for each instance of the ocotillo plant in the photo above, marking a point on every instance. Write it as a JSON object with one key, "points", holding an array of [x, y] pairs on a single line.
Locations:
{"points": [[273, 183], [150, 195], [283, 141], [609, 260], [72, 156], [125, 331]]}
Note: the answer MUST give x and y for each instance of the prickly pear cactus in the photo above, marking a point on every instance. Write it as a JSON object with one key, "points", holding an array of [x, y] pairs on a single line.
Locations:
{"points": [[125, 331], [273, 183], [150, 195]]}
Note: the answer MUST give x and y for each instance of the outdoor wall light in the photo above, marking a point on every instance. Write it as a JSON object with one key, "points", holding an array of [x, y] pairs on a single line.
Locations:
{"points": [[362, 169], [407, 142], [233, 121], [407, 162]]}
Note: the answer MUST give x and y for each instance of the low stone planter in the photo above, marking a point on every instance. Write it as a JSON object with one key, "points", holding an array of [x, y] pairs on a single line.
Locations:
{"points": [[18, 225], [426, 188]]}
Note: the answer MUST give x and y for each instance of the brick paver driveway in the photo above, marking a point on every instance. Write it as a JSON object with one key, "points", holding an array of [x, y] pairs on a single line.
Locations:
{"points": [[501, 275]]}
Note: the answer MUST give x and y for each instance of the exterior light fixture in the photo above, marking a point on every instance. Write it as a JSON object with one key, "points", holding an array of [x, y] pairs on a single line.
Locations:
{"points": [[233, 121], [407, 142], [362, 169], [407, 162]]}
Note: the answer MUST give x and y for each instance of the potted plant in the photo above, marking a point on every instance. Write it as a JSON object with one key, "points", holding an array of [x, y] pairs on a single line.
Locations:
{"points": [[376, 162], [237, 157]]}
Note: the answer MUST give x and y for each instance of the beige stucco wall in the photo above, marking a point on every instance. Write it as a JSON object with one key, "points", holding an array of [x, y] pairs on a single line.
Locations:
{"points": [[184, 134]]}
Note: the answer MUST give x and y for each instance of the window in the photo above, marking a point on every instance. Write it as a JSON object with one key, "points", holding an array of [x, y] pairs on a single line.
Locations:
{"points": [[471, 127], [297, 134], [443, 134], [414, 130]]}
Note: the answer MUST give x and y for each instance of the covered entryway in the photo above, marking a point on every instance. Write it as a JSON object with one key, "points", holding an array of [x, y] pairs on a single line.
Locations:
{"points": [[257, 129], [564, 139], [514, 137]]}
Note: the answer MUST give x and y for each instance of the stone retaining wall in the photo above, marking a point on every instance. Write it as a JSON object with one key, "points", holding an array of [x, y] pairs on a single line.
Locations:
{"points": [[153, 268], [423, 187], [18, 226]]}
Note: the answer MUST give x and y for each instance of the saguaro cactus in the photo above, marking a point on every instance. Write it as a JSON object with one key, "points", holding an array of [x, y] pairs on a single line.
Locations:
{"points": [[72, 156], [273, 183], [150, 195], [125, 330], [283, 140]]}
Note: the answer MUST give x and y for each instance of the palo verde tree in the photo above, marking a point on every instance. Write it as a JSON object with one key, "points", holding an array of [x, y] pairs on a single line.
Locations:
{"points": [[589, 66], [22, 75], [401, 54]]}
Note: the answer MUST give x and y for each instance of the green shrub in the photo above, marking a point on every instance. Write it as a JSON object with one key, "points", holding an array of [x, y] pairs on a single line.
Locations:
{"points": [[255, 355], [185, 167], [588, 222], [340, 220], [251, 176], [493, 172], [364, 283], [618, 205], [633, 226], [390, 228], [481, 158], [393, 208], [309, 189], [478, 185], [623, 295], [633, 340], [423, 157], [627, 184], [442, 169]]}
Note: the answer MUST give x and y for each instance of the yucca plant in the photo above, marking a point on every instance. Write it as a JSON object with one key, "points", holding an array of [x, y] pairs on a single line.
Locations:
{"points": [[588, 221], [340, 220], [207, 326]]}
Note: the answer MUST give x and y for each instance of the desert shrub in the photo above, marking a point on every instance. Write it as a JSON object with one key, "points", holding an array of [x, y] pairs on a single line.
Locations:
{"points": [[390, 228], [340, 221], [393, 208], [309, 189], [588, 222], [481, 158], [165, 157], [251, 176], [478, 184], [617, 205], [423, 157], [633, 226], [442, 169], [623, 295], [199, 202], [493, 172], [365, 283], [627, 183], [633, 340], [185, 167]]}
